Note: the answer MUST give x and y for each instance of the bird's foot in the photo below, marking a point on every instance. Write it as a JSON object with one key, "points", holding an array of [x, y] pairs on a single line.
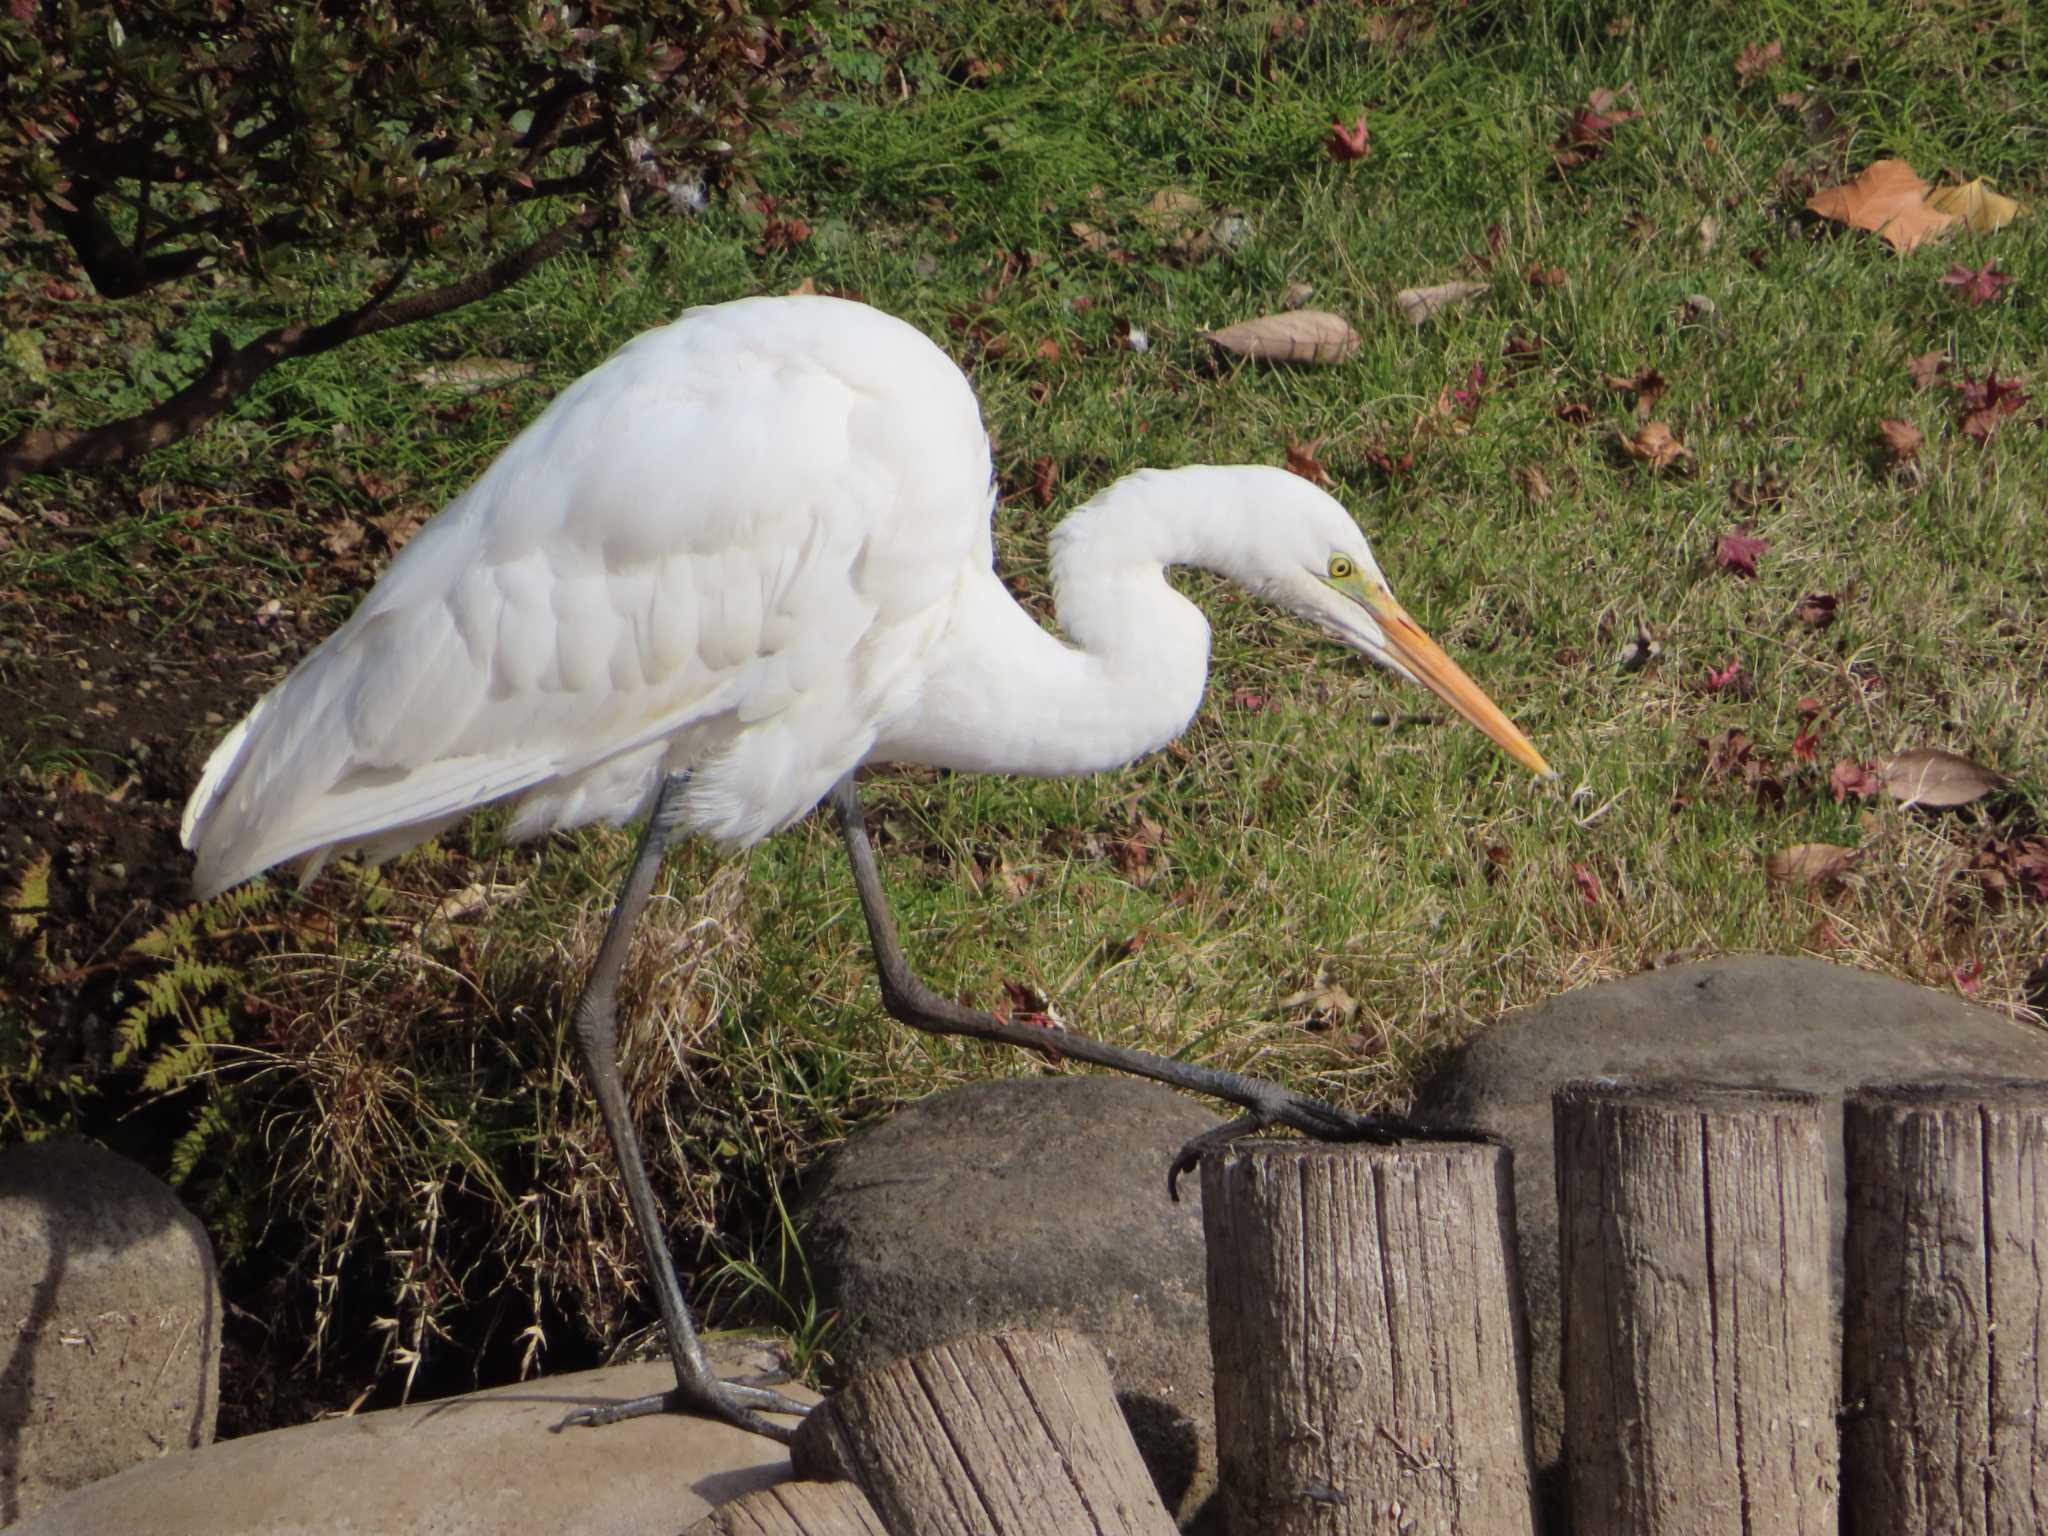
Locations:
{"points": [[733, 1402], [1317, 1121]]}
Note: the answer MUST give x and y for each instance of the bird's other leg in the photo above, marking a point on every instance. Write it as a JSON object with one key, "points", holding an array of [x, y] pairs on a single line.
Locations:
{"points": [[908, 999], [597, 1034]]}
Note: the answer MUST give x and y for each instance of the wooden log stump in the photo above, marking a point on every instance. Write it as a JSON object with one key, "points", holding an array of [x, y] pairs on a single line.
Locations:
{"points": [[1008, 1434], [1365, 1316], [1945, 1310], [794, 1509], [1698, 1341]]}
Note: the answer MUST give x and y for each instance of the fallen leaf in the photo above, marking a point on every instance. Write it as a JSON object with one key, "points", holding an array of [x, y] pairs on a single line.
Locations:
{"points": [[808, 286], [471, 374], [1045, 475], [346, 536], [1648, 387], [1535, 485], [1540, 276], [1718, 678], [1806, 742], [1986, 402], [1926, 368], [1296, 336], [1247, 699], [1811, 864], [1968, 977], [1940, 780], [1757, 59], [1738, 549], [1588, 884], [1707, 232], [1325, 1003], [1901, 439], [1297, 294], [1654, 445], [1419, 304], [1387, 464], [1887, 198], [1353, 143], [1589, 129], [1984, 285], [1302, 460], [1851, 777], [1816, 610], [1978, 204]]}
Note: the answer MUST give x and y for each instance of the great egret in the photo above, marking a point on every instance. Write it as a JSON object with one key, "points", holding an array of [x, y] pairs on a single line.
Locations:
{"points": [[749, 553]]}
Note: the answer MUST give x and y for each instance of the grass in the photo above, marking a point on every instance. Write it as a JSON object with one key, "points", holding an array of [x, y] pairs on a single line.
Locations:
{"points": [[1325, 881]]}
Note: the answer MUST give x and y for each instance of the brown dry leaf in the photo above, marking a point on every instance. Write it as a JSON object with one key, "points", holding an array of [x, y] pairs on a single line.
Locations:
{"points": [[808, 286], [1302, 460], [469, 375], [1888, 198], [1419, 304], [1171, 209], [1535, 485], [1296, 336], [1756, 59], [1813, 864], [1901, 439], [1655, 446], [1297, 294], [1940, 780], [1978, 204], [1926, 368]]}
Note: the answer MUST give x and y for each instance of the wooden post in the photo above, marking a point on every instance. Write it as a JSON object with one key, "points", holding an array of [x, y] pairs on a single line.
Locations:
{"points": [[1698, 1342], [794, 1509], [1009, 1434], [1365, 1318], [1945, 1310]]}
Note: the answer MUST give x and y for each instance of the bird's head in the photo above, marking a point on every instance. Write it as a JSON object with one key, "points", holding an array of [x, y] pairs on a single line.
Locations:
{"points": [[1314, 560]]}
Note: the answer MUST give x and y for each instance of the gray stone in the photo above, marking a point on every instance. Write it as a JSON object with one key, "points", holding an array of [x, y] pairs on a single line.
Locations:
{"points": [[110, 1312], [1751, 1019], [496, 1463], [1033, 1202]]}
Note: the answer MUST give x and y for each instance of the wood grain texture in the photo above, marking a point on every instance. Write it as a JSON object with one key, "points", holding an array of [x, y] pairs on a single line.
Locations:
{"points": [[1698, 1350], [1370, 1358], [1009, 1434], [794, 1509], [1945, 1310]]}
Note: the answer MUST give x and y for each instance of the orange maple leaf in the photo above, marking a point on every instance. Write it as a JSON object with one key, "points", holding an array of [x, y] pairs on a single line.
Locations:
{"points": [[1888, 198]]}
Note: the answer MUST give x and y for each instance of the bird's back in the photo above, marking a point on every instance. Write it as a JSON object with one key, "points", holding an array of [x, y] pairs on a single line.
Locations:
{"points": [[727, 548]]}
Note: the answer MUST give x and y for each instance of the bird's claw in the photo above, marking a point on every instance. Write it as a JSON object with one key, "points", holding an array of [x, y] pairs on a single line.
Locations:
{"points": [[1318, 1122], [733, 1402]]}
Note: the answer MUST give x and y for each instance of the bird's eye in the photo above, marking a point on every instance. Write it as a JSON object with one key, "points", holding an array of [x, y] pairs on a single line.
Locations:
{"points": [[1341, 567]]}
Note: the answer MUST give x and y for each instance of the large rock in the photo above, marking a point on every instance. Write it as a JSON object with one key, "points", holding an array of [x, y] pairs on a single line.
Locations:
{"points": [[1753, 1019], [1039, 1203], [111, 1313], [496, 1463]]}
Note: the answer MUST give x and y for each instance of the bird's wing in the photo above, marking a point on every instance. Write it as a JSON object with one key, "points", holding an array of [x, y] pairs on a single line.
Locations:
{"points": [[741, 525]]}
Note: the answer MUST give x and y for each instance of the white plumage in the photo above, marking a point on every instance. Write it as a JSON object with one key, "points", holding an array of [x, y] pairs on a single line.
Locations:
{"points": [[755, 544]]}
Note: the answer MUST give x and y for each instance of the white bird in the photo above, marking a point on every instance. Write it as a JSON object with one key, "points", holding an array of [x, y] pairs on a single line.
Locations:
{"points": [[746, 555]]}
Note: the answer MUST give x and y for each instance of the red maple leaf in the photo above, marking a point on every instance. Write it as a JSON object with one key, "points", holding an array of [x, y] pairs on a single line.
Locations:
{"points": [[1853, 778], [1737, 550], [1806, 744], [1986, 402], [1588, 884], [1594, 123], [1983, 286], [1352, 143], [1720, 677]]}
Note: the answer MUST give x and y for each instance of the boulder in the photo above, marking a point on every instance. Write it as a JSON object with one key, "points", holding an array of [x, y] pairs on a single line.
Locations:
{"points": [[494, 1463], [1747, 1019], [1031, 1203], [112, 1322]]}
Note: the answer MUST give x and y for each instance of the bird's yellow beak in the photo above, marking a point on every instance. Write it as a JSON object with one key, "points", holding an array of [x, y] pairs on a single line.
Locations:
{"points": [[1441, 675]]}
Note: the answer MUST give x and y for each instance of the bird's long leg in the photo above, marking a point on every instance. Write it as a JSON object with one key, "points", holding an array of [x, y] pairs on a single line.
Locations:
{"points": [[597, 1033], [909, 1000]]}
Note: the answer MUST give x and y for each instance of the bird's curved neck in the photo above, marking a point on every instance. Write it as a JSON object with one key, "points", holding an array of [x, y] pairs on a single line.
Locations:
{"points": [[1128, 675]]}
